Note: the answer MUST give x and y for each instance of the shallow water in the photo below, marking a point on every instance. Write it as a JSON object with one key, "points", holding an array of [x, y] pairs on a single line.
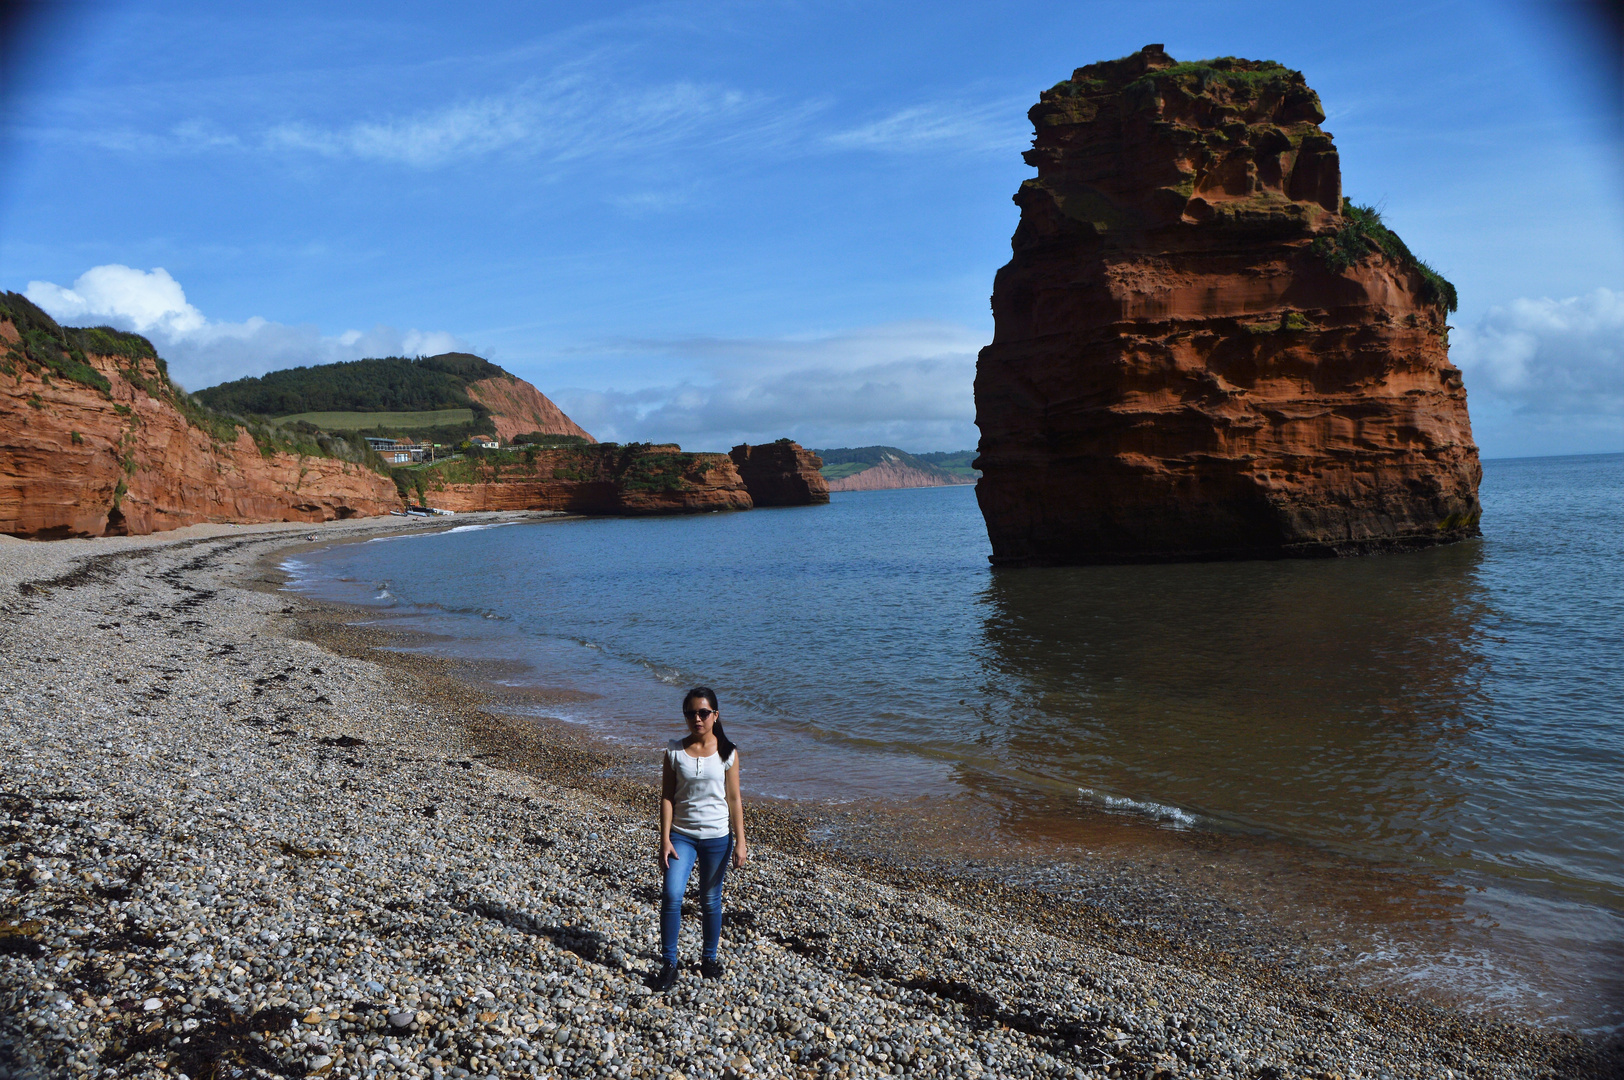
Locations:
{"points": [[1453, 712]]}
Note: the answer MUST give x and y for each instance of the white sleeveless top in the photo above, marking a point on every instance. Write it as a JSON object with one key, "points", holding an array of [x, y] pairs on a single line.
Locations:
{"points": [[699, 810]]}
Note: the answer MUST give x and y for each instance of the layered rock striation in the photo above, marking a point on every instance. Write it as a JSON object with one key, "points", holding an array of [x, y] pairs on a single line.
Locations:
{"points": [[1201, 349], [100, 442], [781, 473], [631, 480]]}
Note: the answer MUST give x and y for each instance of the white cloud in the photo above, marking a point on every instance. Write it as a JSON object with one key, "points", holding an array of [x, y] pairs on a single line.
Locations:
{"points": [[146, 302], [1544, 357], [202, 352], [905, 384]]}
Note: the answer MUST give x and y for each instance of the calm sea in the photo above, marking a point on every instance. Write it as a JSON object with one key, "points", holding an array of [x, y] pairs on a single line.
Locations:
{"points": [[1454, 713]]}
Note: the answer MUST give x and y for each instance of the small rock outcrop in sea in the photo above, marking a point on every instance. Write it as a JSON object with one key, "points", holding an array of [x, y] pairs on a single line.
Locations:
{"points": [[638, 479], [1201, 349], [95, 440], [781, 473]]}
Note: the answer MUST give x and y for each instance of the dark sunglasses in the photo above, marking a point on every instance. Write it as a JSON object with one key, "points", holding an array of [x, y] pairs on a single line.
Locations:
{"points": [[698, 714]]}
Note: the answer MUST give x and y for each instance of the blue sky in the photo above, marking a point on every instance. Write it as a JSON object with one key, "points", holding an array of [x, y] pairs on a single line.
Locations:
{"points": [[711, 222]]}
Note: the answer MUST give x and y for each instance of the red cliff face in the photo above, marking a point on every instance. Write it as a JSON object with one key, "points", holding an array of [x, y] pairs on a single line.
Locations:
{"points": [[1202, 351], [623, 480], [781, 474], [517, 408], [75, 461]]}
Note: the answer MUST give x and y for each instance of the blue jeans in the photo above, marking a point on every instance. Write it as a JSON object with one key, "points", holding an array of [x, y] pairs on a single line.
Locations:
{"points": [[712, 856]]}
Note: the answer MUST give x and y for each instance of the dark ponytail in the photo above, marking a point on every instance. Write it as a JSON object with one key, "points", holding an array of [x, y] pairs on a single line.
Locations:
{"points": [[724, 745]]}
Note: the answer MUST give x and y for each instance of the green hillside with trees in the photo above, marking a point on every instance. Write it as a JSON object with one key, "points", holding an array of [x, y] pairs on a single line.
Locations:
{"points": [[389, 384]]}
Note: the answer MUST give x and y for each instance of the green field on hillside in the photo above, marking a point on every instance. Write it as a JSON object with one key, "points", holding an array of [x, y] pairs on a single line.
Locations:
{"points": [[371, 421]]}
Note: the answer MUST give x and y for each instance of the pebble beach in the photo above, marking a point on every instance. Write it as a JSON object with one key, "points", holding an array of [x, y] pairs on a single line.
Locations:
{"points": [[239, 840]]}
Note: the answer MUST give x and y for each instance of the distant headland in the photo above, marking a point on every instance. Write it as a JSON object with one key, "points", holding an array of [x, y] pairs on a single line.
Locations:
{"points": [[879, 468]]}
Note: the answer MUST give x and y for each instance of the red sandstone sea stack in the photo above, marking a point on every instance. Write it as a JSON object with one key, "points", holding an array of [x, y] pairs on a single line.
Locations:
{"points": [[781, 473], [1201, 350], [637, 480]]}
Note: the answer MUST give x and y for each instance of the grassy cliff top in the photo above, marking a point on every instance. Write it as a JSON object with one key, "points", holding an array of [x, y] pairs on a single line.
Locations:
{"points": [[44, 346], [1150, 73]]}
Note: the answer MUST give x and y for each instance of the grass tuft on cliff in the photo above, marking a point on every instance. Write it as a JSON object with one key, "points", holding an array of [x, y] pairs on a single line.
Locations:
{"points": [[1362, 234], [45, 348]]}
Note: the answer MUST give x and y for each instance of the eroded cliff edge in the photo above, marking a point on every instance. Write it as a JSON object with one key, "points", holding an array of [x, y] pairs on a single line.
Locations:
{"points": [[1201, 350], [95, 440]]}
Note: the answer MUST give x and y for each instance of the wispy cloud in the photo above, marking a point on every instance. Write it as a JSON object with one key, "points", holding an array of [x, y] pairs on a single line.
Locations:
{"points": [[202, 351], [946, 125], [580, 109], [576, 112], [907, 384]]}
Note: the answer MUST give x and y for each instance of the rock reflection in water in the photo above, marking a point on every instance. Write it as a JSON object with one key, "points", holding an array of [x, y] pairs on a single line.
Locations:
{"points": [[1327, 701]]}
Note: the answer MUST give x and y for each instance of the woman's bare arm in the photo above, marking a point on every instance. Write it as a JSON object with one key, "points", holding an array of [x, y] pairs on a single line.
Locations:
{"points": [[668, 809], [735, 813]]}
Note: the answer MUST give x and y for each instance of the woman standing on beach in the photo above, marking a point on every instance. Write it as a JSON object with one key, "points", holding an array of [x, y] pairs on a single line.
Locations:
{"points": [[701, 822]]}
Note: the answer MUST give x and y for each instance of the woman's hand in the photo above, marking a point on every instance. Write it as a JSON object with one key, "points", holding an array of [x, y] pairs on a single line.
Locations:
{"points": [[741, 853], [667, 853]]}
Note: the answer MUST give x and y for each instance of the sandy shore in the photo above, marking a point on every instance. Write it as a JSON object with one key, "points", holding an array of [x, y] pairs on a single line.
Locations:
{"points": [[239, 841]]}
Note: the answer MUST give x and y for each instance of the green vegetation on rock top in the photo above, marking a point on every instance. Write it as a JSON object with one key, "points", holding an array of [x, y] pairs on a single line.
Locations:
{"points": [[1254, 76], [1363, 234]]}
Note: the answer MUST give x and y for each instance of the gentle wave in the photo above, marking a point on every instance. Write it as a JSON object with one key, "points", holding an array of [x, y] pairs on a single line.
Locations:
{"points": [[476, 528], [442, 532], [1179, 819]]}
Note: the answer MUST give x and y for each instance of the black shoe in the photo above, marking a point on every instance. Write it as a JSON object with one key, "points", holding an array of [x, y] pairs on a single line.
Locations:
{"points": [[666, 979], [711, 969]]}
